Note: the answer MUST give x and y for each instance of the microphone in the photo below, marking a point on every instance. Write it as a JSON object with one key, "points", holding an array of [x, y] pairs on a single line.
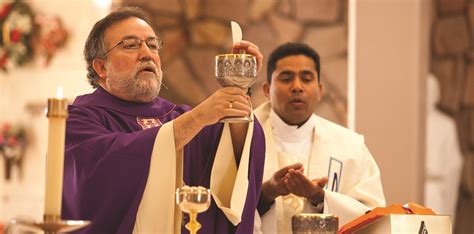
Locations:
{"points": [[161, 80], [163, 84]]}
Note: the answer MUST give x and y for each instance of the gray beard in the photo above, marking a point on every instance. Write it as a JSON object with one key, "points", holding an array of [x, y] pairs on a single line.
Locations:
{"points": [[142, 88], [145, 90]]}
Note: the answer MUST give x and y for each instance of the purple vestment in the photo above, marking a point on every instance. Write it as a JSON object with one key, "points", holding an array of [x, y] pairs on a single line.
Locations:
{"points": [[107, 161]]}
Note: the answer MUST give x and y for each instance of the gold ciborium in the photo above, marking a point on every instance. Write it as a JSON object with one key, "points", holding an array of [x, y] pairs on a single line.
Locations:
{"points": [[311, 223], [193, 200]]}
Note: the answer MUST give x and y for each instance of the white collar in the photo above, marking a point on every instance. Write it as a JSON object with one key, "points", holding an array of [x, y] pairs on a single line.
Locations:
{"points": [[291, 133]]}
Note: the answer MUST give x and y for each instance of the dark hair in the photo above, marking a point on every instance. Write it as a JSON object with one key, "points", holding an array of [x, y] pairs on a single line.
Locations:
{"points": [[289, 49], [95, 44]]}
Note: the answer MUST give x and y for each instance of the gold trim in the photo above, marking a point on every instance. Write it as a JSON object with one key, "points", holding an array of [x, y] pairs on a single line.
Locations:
{"points": [[57, 108], [47, 218], [314, 215], [227, 56]]}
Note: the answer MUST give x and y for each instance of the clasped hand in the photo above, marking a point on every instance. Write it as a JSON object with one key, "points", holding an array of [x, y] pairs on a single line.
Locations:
{"points": [[291, 179]]}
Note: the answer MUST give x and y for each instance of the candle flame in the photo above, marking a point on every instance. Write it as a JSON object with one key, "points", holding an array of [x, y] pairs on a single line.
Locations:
{"points": [[59, 92]]}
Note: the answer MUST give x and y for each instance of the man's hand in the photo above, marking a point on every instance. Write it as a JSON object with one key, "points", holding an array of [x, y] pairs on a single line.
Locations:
{"points": [[275, 186], [225, 102], [298, 184], [249, 48]]}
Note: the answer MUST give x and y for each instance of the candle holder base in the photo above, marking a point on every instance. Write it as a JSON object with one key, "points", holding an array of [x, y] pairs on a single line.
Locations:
{"points": [[52, 225]]}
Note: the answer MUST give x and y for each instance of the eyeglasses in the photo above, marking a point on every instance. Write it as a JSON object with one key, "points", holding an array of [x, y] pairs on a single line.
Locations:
{"points": [[153, 43]]}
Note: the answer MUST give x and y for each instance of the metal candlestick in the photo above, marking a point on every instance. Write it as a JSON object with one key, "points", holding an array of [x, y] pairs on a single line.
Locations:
{"points": [[52, 224]]}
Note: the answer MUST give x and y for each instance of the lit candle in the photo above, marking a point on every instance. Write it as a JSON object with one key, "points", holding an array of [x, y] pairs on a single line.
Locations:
{"points": [[57, 114]]}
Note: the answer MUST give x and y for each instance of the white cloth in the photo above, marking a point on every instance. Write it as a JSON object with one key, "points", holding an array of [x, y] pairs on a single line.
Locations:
{"points": [[293, 144], [443, 157], [292, 139], [229, 184], [158, 212], [169, 163], [354, 178]]}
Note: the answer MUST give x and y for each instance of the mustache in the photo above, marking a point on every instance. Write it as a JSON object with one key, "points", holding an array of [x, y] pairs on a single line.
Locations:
{"points": [[146, 66]]}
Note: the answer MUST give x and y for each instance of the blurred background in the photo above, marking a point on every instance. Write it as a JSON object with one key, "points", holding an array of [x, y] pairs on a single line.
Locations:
{"points": [[400, 72]]}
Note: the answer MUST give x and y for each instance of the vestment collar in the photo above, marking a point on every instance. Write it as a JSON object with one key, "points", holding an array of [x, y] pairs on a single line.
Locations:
{"points": [[101, 98], [291, 133]]}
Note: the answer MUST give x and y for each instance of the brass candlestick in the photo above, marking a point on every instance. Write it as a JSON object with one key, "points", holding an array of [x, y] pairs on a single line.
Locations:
{"points": [[193, 200], [51, 224]]}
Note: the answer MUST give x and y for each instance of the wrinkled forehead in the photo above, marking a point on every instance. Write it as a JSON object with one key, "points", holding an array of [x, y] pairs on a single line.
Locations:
{"points": [[127, 28]]}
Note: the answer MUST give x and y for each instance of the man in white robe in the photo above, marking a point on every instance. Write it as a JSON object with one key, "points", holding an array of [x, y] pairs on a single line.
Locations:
{"points": [[443, 164], [312, 165]]}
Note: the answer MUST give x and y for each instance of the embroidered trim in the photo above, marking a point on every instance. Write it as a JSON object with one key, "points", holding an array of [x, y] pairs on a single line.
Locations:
{"points": [[147, 123]]}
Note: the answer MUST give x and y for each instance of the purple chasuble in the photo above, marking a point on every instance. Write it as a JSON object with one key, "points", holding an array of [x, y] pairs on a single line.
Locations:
{"points": [[107, 159]]}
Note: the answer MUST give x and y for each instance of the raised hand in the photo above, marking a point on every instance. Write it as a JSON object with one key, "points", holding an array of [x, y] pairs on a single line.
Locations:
{"points": [[225, 102], [300, 185], [275, 186], [250, 48]]}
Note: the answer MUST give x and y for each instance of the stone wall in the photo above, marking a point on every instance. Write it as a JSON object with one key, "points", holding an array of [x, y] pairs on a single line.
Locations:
{"points": [[452, 62], [194, 31]]}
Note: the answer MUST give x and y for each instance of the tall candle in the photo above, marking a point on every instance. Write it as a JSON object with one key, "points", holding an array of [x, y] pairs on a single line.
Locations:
{"points": [[57, 114]]}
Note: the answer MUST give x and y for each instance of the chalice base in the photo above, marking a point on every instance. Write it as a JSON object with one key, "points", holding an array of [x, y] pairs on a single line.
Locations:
{"points": [[236, 119], [52, 226]]}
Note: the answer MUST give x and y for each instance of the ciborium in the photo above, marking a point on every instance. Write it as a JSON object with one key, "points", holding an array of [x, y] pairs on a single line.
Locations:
{"points": [[306, 223], [193, 200], [239, 70]]}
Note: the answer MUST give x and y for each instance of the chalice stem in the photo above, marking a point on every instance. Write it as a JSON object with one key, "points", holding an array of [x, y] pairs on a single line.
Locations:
{"points": [[193, 225]]}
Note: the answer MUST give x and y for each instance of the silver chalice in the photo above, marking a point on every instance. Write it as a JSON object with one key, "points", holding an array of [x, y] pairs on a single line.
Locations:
{"points": [[238, 70]]}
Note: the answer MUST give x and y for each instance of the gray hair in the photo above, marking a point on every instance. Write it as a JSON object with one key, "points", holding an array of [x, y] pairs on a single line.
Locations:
{"points": [[95, 44]]}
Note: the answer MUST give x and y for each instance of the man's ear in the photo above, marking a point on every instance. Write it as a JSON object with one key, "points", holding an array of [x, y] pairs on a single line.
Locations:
{"points": [[266, 89], [99, 67], [321, 91]]}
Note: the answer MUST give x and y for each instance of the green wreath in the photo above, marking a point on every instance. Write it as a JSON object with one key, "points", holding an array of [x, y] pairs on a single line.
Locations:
{"points": [[17, 29]]}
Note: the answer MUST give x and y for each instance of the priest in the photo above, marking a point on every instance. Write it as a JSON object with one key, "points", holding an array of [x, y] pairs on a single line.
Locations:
{"points": [[312, 165], [127, 150]]}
